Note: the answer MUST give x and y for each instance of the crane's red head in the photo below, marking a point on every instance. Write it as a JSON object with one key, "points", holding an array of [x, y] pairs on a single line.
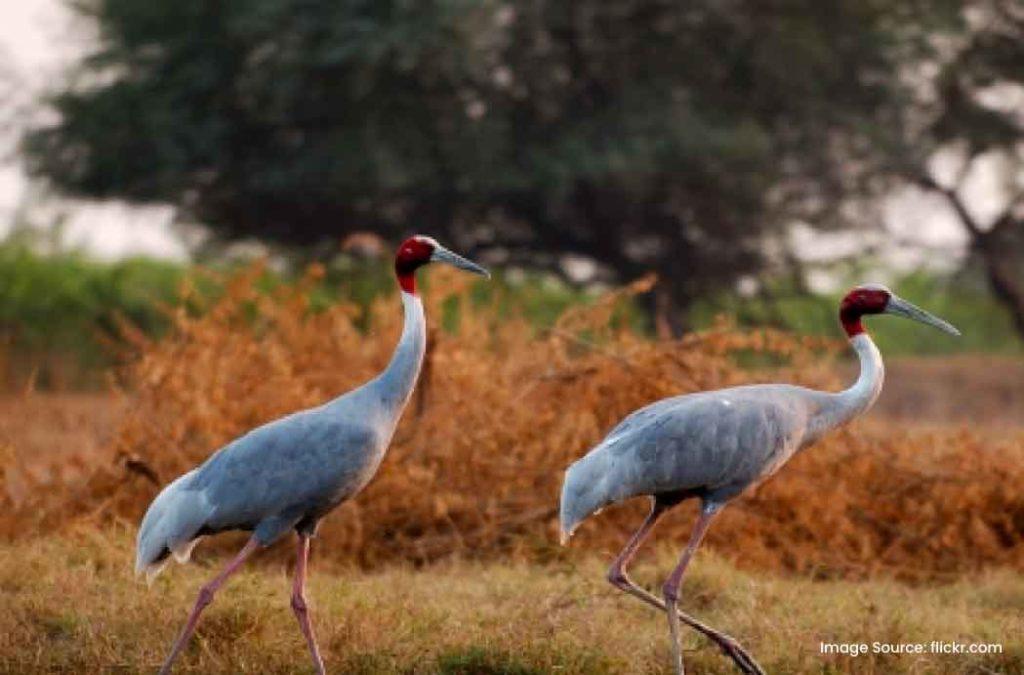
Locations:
{"points": [[862, 300], [415, 252], [877, 299]]}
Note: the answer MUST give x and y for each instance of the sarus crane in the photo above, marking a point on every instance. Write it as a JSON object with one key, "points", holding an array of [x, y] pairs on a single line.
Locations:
{"points": [[714, 445], [288, 474]]}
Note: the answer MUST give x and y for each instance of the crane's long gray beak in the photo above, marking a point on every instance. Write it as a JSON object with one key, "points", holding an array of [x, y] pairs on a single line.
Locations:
{"points": [[442, 254], [901, 307]]}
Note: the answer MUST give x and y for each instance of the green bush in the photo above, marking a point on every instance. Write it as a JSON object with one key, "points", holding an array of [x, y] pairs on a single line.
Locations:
{"points": [[962, 300], [60, 314], [55, 311]]}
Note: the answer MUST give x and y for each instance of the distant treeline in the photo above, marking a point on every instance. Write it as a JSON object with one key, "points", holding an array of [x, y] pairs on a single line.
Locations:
{"points": [[58, 313], [963, 299], [63, 316]]}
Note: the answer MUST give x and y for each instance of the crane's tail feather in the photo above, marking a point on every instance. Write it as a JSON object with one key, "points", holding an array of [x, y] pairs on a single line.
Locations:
{"points": [[152, 570], [584, 494], [183, 552], [170, 527]]}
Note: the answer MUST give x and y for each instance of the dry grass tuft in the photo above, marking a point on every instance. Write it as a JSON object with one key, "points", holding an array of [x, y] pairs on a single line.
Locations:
{"points": [[71, 605], [477, 462]]}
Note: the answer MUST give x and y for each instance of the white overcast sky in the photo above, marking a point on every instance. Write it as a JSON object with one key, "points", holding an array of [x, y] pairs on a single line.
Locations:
{"points": [[39, 38]]}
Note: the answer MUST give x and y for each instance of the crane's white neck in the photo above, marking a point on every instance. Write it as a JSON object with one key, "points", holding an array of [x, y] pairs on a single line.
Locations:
{"points": [[395, 384], [847, 404]]}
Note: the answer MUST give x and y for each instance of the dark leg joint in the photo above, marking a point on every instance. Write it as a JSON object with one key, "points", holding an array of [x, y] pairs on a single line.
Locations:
{"points": [[299, 604], [616, 577], [670, 592]]}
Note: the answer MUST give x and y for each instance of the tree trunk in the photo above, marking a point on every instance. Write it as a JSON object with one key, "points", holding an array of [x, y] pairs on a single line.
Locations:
{"points": [[999, 248], [670, 320], [999, 255]]}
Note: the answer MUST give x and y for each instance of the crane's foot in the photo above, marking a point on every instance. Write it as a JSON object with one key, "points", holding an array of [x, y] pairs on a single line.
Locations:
{"points": [[743, 660]]}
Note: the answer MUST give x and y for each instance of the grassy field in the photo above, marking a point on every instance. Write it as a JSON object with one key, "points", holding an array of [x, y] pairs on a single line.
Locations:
{"points": [[72, 605]]}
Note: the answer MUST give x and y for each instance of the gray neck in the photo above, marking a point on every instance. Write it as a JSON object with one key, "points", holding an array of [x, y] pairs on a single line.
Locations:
{"points": [[842, 407], [394, 386]]}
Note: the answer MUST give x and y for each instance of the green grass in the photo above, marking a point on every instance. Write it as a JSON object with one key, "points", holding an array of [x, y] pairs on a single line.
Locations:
{"points": [[70, 604]]}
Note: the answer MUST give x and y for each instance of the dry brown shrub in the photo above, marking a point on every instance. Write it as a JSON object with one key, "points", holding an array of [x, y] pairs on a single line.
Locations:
{"points": [[477, 462]]}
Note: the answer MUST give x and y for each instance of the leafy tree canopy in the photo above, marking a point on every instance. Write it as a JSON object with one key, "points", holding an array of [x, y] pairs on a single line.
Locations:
{"points": [[643, 134]]}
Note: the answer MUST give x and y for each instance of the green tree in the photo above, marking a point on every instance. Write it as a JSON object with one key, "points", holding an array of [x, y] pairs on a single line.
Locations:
{"points": [[975, 118], [643, 134]]}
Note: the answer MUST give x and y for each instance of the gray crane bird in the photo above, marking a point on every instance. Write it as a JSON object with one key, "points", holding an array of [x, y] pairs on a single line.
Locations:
{"points": [[714, 445], [288, 474]]}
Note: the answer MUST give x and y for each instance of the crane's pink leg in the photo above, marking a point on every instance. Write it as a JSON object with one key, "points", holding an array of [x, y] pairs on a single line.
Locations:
{"points": [[206, 594], [671, 588], [619, 578], [299, 601]]}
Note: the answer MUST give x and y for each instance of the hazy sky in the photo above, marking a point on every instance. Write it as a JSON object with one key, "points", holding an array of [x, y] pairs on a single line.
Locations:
{"points": [[39, 38]]}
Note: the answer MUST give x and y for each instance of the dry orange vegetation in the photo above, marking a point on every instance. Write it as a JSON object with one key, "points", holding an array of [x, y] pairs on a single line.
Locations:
{"points": [[477, 462]]}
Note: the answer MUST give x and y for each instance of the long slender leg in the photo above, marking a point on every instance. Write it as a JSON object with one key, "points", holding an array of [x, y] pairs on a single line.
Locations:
{"points": [[299, 601], [619, 578], [206, 594], [671, 588]]}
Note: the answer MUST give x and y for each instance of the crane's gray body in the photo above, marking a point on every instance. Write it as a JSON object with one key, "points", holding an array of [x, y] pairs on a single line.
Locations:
{"points": [[711, 445], [288, 473]]}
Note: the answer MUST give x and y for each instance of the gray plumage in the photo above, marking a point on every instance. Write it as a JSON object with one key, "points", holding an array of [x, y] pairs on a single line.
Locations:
{"points": [[714, 445], [711, 445], [289, 473]]}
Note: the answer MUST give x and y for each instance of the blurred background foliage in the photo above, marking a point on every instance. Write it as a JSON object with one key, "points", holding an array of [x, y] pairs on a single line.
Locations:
{"points": [[545, 138], [65, 320]]}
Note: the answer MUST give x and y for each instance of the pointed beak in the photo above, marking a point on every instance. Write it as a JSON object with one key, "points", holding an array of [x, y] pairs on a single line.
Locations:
{"points": [[901, 307], [442, 254]]}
